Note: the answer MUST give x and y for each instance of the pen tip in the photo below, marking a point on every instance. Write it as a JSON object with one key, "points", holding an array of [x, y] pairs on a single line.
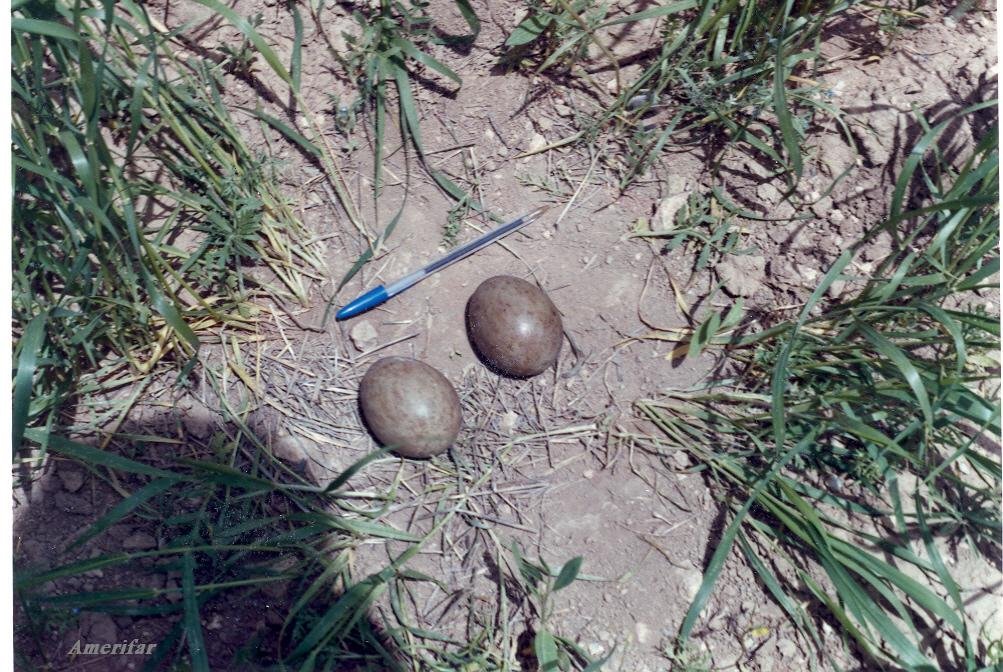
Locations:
{"points": [[536, 214]]}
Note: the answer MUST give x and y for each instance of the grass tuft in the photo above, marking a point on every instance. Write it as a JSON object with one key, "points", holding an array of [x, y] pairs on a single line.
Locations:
{"points": [[727, 75], [138, 206], [860, 426]]}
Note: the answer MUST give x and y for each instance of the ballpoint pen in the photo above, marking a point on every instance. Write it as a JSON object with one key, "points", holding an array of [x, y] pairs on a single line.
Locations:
{"points": [[378, 295]]}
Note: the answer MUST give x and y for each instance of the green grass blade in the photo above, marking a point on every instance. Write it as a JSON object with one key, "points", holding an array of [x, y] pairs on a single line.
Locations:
{"points": [[410, 50], [173, 318], [29, 347], [664, 10], [470, 16], [409, 113], [355, 468], [367, 530], [727, 540], [781, 108], [991, 268], [253, 36], [905, 367], [952, 328], [192, 621], [88, 455], [25, 581], [778, 383], [41, 27], [164, 648], [296, 58], [124, 508], [368, 254], [350, 607]]}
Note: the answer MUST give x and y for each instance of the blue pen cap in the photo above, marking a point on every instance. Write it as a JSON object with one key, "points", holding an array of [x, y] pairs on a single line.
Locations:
{"points": [[370, 299]]}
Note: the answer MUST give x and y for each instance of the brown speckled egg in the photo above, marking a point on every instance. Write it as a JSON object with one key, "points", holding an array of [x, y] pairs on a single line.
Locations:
{"points": [[514, 326], [410, 407]]}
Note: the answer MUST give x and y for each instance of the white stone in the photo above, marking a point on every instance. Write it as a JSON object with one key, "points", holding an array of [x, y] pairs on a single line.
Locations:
{"points": [[508, 421], [363, 335]]}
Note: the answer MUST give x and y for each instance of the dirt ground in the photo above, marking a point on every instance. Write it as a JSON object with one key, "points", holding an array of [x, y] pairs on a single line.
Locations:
{"points": [[570, 484]]}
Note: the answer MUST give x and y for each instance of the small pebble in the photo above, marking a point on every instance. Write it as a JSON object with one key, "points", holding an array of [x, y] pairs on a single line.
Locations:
{"points": [[536, 143], [363, 335], [681, 460], [508, 422]]}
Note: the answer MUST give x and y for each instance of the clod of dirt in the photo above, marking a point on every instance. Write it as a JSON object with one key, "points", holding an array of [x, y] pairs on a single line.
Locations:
{"points": [[73, 504], [791, 274], [787, 648], [773, 199], [878, 249], [290, 449], [821, 205], [119, 532], [880, 140], [99, 627], [72, 480], [140, 541], [514, 326], [680, 460], [835, 155], [742, 275], [364, 336], [410, 407]]}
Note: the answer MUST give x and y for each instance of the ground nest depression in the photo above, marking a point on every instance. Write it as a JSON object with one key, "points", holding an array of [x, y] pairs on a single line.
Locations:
{"points": [[229, 504]]}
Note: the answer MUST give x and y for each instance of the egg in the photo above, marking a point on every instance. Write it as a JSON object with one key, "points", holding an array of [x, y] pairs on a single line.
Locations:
{"points": [[514, 326], [410, 407]]}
